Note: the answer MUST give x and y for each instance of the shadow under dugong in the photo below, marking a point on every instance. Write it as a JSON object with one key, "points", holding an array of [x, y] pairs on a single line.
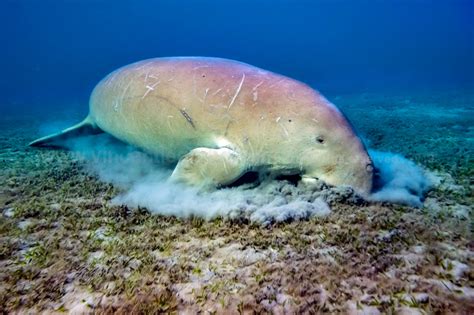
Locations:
{"points": [[219, 119]]}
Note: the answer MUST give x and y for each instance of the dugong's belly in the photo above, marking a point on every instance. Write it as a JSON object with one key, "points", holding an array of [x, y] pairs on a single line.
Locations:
{"points": [[170, 106]]}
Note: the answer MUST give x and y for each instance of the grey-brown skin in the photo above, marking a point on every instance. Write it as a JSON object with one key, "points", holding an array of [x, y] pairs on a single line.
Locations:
{"points": [[220, 118]]}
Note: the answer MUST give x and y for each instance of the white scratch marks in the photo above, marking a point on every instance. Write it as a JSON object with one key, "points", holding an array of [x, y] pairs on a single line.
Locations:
{"points": [[148, 75], [215, 93], [153, 86], [194, 78], [282, 126], [205, 96], [237, 91], [168, 121], [225, 166], [194, 84], [124, 91], [117, 105], [284, 130], [291, 95], [146, 64], [111, 78], [276, 82], [249, 144], [150, 88], [200, 67], [256, 87], [255, 92]]}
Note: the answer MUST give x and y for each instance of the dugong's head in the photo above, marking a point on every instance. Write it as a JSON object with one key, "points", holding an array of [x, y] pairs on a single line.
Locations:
{"points": [[332, 150]]}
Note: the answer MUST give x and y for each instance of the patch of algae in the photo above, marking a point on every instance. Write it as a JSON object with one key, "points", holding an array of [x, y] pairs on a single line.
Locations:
{"points": [[64, 248]]}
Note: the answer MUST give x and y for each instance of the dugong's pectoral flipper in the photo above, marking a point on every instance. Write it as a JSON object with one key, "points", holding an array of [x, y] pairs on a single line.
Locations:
{"points": [[84, 128], [205, 167], [308, 180]]}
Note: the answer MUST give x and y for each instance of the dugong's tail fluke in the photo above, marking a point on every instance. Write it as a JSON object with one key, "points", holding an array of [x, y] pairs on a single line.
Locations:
{"points": [[57, 140]]}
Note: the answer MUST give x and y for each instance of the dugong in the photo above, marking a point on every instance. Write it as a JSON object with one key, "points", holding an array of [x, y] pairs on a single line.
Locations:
{"points": [[219, 119]]}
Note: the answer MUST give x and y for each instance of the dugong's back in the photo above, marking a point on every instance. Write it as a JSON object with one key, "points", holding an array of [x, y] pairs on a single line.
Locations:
{"points": [[168, 106]]}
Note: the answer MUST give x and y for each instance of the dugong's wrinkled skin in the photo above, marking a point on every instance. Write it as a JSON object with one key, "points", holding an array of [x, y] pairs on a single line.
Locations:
{"points": [[222, 118]]}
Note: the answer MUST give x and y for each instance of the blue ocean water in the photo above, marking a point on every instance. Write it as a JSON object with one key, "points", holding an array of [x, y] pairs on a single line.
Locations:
{"points": [[100, 228], [54, 52]]}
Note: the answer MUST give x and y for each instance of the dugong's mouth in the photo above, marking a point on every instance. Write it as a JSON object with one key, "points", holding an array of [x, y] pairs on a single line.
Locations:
{"points": [[360, 176], [362, 186]]}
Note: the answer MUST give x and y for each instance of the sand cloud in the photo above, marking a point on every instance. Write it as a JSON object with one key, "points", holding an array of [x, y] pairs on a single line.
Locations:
{"points": [[144, 182]]}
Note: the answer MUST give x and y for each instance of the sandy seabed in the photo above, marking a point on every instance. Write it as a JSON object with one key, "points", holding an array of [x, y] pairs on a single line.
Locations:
{"points": [[65, 247]]}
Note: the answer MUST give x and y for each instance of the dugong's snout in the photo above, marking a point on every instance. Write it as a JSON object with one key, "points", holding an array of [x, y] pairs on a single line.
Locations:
{"points": [[341, 159], [355, 169], [358, 173]]}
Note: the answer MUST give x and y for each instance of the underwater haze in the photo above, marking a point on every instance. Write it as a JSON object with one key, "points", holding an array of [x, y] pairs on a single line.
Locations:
{"points": [[92, 225], [54, 52]]}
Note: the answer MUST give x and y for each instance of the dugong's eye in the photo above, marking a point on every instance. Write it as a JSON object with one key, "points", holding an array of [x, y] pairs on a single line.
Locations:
{"points": [[320, 139]]}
